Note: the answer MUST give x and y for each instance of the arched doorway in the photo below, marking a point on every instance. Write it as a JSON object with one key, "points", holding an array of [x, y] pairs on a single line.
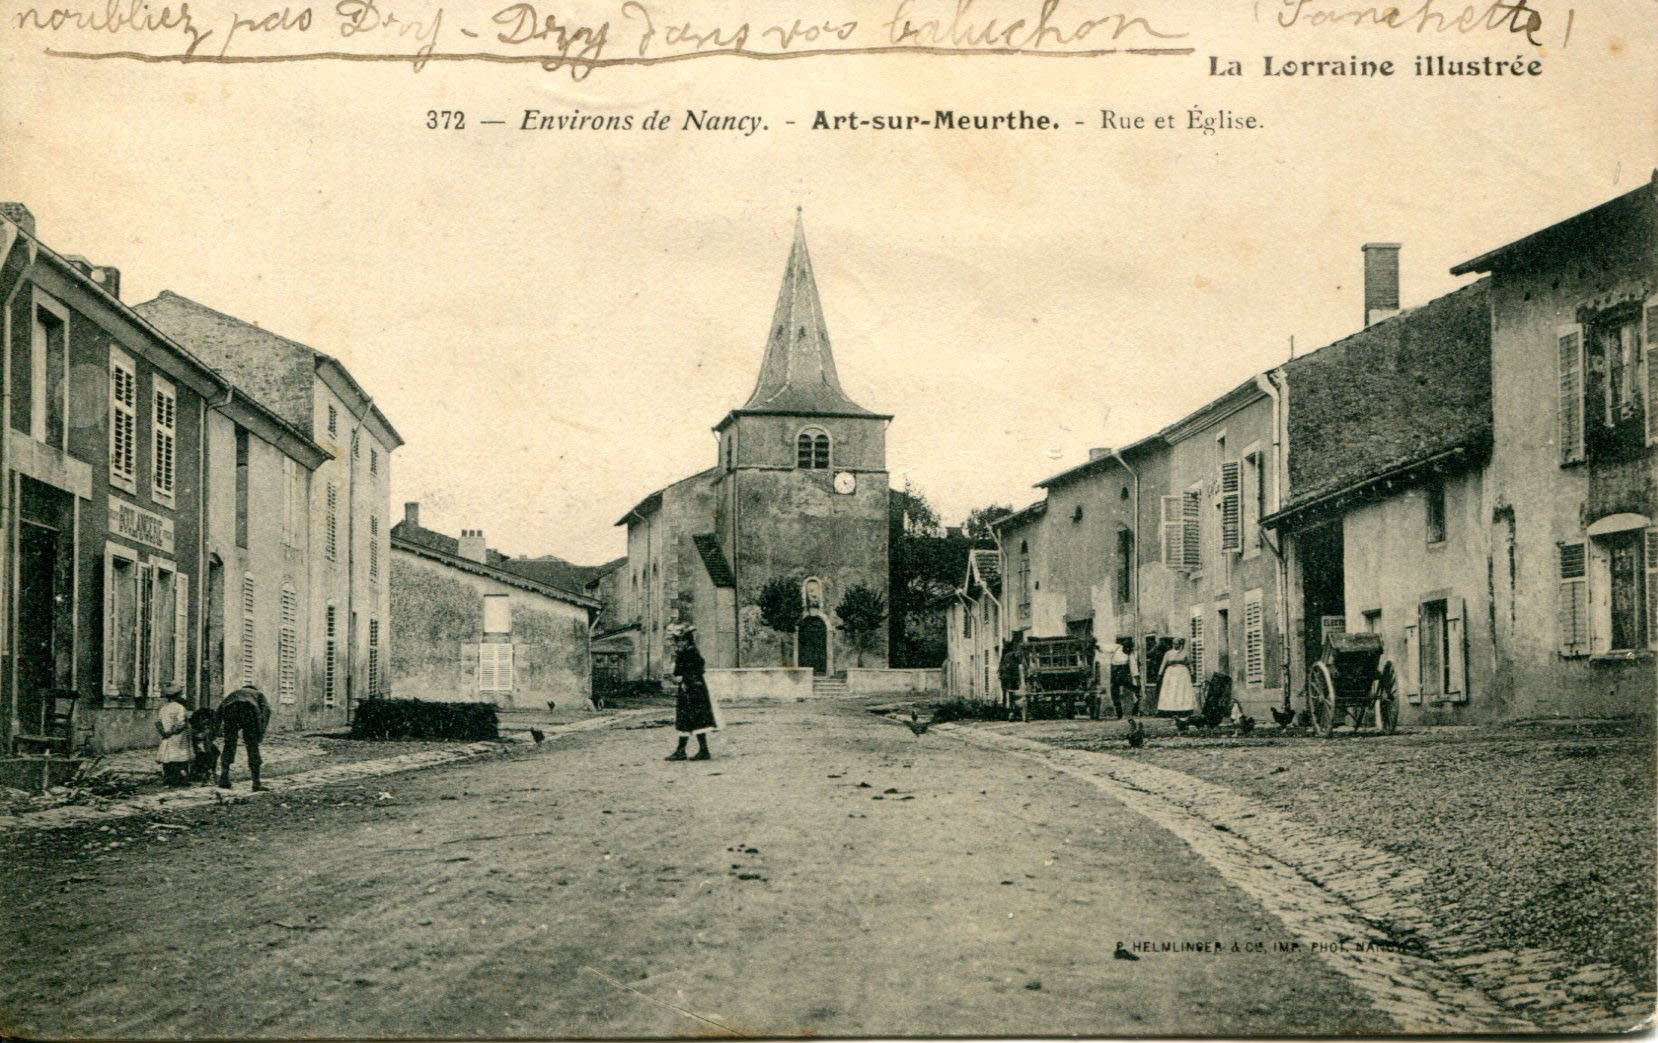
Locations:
{"points": [[813, 641]]}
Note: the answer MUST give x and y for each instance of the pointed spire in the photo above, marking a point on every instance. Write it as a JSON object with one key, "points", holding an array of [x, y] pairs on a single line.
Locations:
{"points": [[798, 372]]}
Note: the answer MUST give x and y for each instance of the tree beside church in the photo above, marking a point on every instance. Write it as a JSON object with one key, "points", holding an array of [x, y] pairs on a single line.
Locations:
{"points": [[799, 489]]}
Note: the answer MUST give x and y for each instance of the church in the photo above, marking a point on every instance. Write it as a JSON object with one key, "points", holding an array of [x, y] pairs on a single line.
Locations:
{"points": [[798, 493]]}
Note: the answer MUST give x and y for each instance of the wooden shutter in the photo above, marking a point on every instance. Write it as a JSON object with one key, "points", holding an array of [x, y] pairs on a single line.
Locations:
{"points": [[181, 627], [331, 538], [1255, 666], [1174, 532], [144, 645], [110, 642], [1569, 342], [1192, 515], [331, 657], [1651, 573], [1649, 352], [247, 628], [1456, 650], [164, 441], [123, 422], [287, 647], [1412, 663], [1231, 487], [1572, 605], [1195, 643]]}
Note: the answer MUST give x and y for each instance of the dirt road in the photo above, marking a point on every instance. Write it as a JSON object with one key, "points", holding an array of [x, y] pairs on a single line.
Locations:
{"points": [[827, 873]]}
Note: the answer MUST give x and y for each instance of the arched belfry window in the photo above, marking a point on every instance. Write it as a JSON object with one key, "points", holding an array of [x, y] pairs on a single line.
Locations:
{"points": [[812, 449]]}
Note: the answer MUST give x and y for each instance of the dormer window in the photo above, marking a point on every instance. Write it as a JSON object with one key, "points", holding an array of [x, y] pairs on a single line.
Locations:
{"points": [[812, 450]]}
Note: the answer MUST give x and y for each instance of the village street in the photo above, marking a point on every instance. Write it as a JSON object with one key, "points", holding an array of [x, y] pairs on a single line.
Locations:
{"points": [[828, 872]]}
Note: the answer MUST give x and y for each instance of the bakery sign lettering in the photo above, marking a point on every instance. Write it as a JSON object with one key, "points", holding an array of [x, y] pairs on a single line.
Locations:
{"points": [[134, 523]]}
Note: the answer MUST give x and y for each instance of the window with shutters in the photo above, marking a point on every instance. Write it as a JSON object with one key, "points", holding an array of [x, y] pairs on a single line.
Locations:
{"points": [[120, 622], [495, 667], [1254, 497], [243, 477], [163, 441], [331, 523], [1615, 381], [247, 628], [1435, 495], [1192, 515], [812, 449], [374, 461], [330, 656], [1023, 580], [123, 422], [163, 635], [1628, 572], [1125, 565], [373, 546], [333, 421], [287, 682], [42, 385], [1255, 642], [1231, 507], [373, 658], [1649, 362], [1194, 644], [1573, 598], [1431, 634]]}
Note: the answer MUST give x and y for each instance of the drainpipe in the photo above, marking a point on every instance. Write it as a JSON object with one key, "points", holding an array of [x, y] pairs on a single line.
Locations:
{"points": [[1134, 564], [12, 235], [1268, 382], [202, 673]]}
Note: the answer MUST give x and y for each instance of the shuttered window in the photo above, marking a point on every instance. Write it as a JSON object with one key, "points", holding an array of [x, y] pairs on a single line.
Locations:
{"points": [[120, 622], [1569, 341], [292, 498], [1412, 665], [1456, 650], [331, 657], [123, 422], [288, 647], [373, 658], [331, 534], [1572, 608], [1255, 644], [1195, 645], [1193, 518], [181, 628], [247, 628], [164, 447], [1231, 507], [1174, 532], [1649, 352], [373, 546], [1430, 621], [333, 421], [495, 667]]}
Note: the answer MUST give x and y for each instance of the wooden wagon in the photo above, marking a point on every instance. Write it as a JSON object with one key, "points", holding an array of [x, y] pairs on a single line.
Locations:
{"points": [[1059, 677], [1351, 681]]}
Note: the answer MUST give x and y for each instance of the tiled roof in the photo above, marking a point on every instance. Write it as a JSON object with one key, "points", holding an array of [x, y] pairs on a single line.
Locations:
{"points": [[713, 559], [989, 564], [435, 546], [1406, 389]]}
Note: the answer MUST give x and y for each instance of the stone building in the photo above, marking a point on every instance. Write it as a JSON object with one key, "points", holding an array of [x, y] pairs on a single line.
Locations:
{"points": [[470, 627], [1570, 512], [347, 517], [974, 622], [798, 492]]}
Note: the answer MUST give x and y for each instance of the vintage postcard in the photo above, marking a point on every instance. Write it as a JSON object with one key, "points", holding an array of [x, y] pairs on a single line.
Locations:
{"points": [[849, 518]]}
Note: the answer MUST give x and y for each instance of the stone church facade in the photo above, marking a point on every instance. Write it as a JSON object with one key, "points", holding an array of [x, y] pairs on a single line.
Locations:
{"points": [[799, 492]]}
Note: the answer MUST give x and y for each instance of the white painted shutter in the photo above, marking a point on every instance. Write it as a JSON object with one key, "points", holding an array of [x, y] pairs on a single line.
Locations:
{"points": [[247, 629], [332, 536], [1649, 352], [181, 627], [1255, 666], [164, 441], [1569, 341], [1174, 532], [110, 642], [1572, 605], [1651, 574], [287, 664], [1193, 517], [1195, 646], [123, 421], [1231, 527], [1412, 679], [1456, 650], [145, 673]]}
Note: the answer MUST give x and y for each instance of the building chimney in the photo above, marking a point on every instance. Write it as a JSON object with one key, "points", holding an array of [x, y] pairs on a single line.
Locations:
{"points": [[472, 545], [108, 277], [19, 215], [411, 514], [1381, 281], [1098, 453]]}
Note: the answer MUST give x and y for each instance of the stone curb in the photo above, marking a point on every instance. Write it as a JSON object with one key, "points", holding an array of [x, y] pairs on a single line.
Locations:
{"points": [[1428, 979], [185, 800]]}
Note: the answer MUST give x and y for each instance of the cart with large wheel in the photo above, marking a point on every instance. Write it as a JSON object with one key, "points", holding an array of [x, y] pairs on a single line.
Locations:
{"points": [[1060, 678], [1350, 682]]}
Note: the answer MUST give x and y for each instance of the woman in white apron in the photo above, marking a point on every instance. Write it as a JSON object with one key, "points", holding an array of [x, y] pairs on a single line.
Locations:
{"points": [[1176, 696], [174, 753]]}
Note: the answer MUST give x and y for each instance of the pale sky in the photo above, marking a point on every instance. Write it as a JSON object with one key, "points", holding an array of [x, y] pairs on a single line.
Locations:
{"points": [[554, 320]]}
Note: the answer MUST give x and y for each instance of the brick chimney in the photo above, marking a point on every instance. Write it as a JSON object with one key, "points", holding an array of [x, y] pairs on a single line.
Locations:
{"points": [[103, 275], [1381, 281], [411, 514], [472, 546], [19, 215]]}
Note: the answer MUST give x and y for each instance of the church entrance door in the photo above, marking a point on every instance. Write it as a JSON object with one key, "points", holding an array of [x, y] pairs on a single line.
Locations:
{"points": [[814, 644]]}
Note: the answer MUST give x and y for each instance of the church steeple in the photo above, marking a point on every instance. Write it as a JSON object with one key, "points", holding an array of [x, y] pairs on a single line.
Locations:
{"points": [[798, 375]]}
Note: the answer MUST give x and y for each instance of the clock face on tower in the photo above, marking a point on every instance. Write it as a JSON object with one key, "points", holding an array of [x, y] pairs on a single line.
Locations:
{"points": [[845, 482]]}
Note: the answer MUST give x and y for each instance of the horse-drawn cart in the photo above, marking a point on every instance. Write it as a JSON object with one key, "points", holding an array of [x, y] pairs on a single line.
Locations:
{"points": [[1349, 682], [1059, 677]]}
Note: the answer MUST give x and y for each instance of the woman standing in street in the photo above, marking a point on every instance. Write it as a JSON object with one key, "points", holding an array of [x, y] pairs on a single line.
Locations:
{"points": [[694, 712], [173, 725], [1176, 697]]}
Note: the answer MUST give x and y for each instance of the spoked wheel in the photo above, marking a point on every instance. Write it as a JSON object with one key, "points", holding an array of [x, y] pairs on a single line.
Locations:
{"points": [[1387, 699], [1321, 699]]}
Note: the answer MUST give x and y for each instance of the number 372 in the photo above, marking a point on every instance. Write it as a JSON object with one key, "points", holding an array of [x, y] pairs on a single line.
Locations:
{"points": [[445, 119]]}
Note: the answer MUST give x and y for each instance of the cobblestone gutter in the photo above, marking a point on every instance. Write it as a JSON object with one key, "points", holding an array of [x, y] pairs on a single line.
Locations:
{"points": [[1359, 904], [185, 799]]}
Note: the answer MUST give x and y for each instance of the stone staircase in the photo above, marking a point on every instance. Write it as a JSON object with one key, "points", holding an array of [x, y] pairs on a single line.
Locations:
{"points": [[829, 685]]}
